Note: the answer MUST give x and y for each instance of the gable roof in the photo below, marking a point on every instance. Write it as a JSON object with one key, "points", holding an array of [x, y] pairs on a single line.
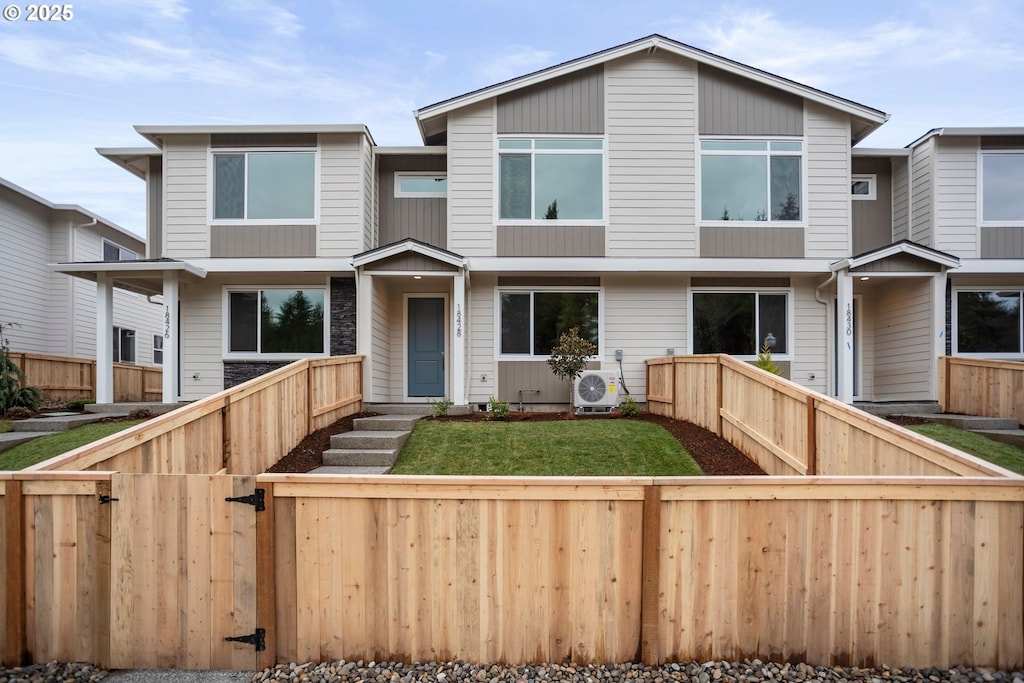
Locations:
{"points": [[409, 245], [871, 118], [907, 247]]}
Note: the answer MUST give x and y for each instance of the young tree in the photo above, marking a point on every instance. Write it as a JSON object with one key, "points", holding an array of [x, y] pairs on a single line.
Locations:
{"points": [[569, 358], [12, 393]]}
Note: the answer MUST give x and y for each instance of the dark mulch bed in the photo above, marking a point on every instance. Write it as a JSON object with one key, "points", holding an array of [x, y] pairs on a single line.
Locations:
{"points": [[714, 455]]}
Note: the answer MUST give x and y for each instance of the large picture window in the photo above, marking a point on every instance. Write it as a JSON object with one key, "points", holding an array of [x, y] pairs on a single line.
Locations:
{"points": [[264, 186], [551, 179], [740, 323], [751, 180], [1002, 177], [531, 322], [276, 321], [989, 322]]}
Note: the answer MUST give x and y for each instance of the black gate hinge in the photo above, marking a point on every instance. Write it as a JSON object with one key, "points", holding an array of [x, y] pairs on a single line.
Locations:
{"points": [[104, 499], [255, 499], [259, 639]]}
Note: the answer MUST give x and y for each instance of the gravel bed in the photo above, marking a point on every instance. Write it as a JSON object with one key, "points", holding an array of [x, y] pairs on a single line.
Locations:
{"points": [[748, 671]]}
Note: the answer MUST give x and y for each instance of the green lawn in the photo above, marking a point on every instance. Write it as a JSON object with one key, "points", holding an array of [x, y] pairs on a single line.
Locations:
{"points": [[46, 447], [562, 448], [996, 452], [5, 426]]}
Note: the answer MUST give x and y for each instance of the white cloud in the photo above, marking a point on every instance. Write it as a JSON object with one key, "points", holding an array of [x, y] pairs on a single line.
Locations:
{"points": [[155, 10]]}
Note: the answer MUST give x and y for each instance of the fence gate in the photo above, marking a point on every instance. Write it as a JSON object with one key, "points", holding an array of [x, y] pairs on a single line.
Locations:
{"points": [[182, 571]]}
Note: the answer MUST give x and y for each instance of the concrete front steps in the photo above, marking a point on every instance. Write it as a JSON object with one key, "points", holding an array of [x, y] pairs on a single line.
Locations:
{"points": [[373, 445]]}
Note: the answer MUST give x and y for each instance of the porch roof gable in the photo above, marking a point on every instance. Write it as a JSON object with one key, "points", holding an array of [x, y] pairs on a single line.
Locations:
{"points": [[939, 258], [409, 245]]}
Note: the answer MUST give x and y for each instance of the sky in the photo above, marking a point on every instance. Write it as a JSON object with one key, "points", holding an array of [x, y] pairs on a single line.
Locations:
{"points": [[68, 87]]}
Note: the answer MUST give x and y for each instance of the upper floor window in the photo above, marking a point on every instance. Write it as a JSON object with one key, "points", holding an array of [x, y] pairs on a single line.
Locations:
{"points": [[751, 180], [863, 186], [427, 184], [740, 323], [1002, 177], [989, 323], [264, 185], [113, 252], [551, 179], [532, 322]]}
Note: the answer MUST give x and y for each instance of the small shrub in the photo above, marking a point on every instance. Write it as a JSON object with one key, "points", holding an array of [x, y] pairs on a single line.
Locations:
{"points": [[498, 410], [19, 413], [78, 404], [765, 362], [12, 393], [440, 406], [140, 414], [569, 358], [629, 407]]}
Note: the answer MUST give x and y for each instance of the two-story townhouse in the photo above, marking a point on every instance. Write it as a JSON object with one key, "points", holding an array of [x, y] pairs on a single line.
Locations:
{"points": [[661, 198], [54, 314]]}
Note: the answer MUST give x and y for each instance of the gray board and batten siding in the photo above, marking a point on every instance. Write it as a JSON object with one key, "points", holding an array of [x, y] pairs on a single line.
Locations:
{"points": [[421, 218], [751, 242], [262, 241], [410, 262], [155, 208], [571, 104], [543, 240], [899, 263], [733, 105], [872, 218], [1002, 242]]}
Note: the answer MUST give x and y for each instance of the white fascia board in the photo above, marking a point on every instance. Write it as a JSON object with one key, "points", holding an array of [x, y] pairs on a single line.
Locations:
{"points": [[402, 247], [506, 264], [655, 43], [439, 150], [128, 157], [892, 250], [273, 265], [155, 133], [880, 152], [140, 268], [994, 266], [981, 131]]}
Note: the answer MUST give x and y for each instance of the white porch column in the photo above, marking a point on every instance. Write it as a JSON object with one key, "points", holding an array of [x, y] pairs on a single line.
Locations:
{"points": [[458, 390], [364, 329], [938, 329], [171, 335], [844, 336], [104, 339]]}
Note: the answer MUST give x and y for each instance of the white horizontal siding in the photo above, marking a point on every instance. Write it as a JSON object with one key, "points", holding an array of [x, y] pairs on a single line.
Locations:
{"points": [[651, 125], [471, 194], [24, 279], [342, 185], [903, 362], [900, 200], [381, 345], [186, 227], [956, 197], [921, 192], [483, 370], [59, 330], [369, 197], [827, 208], [643, 316], [202, 367], [810, 338]]}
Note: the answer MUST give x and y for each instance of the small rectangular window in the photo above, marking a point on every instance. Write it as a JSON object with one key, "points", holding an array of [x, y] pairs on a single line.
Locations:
{"points": [[158, 350], [124, 345], [426, 185], [989, 322], [863, 186], [114, 252]]}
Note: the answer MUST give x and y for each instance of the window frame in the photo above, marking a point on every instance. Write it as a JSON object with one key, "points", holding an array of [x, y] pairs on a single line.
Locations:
{"points": [[982, 153], [699, 177], [526, 289], [158, 347], [757, 292], [120, 251], [399, 194], [228, 354], [532, 151], [955, 320], [871, 179], [133, 335], [246, 151]]}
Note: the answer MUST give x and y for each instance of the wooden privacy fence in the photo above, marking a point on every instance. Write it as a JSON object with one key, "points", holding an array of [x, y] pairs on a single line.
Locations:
{"points": [[164, 546], [858, 571], [61, 378], [991, 388], [787, 429]]}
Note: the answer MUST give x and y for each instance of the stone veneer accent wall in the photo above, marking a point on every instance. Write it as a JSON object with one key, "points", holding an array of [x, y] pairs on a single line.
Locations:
{"points": [[343, 316], [343, 335]]}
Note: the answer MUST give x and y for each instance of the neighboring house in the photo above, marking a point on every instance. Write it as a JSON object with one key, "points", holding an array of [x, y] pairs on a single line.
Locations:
{"points": [[661, 198], [55, 314]]}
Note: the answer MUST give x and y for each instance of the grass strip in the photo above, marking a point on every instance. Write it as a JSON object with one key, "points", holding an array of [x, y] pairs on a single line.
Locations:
{"points": [[564, 448], [46, 447], [995, 452]]}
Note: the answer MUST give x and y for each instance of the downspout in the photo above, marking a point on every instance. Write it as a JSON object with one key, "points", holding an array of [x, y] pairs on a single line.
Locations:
{"points": [[817, 291]]}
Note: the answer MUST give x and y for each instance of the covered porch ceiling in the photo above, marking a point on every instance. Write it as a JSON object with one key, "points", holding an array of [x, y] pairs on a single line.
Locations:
{"points": [[144, 276]]}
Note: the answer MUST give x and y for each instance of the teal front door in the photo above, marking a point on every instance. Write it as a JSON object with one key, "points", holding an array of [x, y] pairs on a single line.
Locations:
{"points": [[426, 347]]}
